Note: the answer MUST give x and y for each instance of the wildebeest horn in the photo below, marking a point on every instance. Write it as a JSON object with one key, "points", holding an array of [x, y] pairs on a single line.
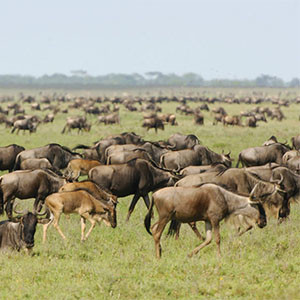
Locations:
{"points": [[23, 212], [277, 181], [228, 153], [40, 213]]}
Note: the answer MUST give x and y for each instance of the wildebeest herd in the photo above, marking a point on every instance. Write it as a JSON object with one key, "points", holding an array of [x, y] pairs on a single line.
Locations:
{"points": [[190, 182]]}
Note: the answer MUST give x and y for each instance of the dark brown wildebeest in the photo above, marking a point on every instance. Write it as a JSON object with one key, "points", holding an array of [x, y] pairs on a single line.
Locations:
{"points": [[219, 110], [82, 203], [59, 156], [209, 203], [121, 139], [78, 122], [155, 123], [218, 118], [180, 141], [25, 124], [242, 182], [294, 164], [199, 155], [199, 118], [296, 142], [258, 156], [79, 167], [49, 118], [251, 121], [138, 177], [27, 184], [18, 233], [8, 156]]}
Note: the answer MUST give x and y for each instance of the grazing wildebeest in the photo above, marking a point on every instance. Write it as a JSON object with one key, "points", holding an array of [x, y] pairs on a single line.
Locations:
{"points": [[18, 233], [59, 156], [82, 203], [27, 184], [78, 122], [199, 118], [155, 123], [209, 203], [258, 156], [296, 142], [8, 156], [79, 167], [138, 177], [123, 157], [232, 120], [179, 141], [251, 121]]}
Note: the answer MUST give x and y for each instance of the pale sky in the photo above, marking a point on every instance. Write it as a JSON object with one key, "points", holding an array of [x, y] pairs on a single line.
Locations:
{"points": [[214, 38]]}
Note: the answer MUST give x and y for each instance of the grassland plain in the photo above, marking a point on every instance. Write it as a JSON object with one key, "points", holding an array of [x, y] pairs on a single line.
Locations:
{"points": [[120, 263]]}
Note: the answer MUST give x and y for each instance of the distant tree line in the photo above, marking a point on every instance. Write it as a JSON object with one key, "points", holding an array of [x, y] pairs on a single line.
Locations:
{"points": [[82, 79]]}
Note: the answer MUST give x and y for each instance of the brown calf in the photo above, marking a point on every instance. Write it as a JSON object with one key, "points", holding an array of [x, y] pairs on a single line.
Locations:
{"points": [[82, 203], [77, 167]]}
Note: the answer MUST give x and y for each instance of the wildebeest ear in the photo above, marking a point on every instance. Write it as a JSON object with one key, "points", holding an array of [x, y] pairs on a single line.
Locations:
{"points": [[43, 221]]}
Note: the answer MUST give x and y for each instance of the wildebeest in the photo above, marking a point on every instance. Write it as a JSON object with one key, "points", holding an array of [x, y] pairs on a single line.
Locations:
{"points": [[258, 156], [155, 123], [78, 122], [27, 184], [109, 119], [90, 187], [82, 203], [179, 141], [209, 203], [25, 124], [199, 118], [199, 155], [8, 156], [231, 120], [18, 233], [125, 156], [296, 142], [216, 167], [242, 182], [79, 167], [35, 163], [138, 177], [59, 156]]}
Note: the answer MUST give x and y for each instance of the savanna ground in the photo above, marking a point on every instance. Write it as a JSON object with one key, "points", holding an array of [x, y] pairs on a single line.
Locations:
{"points": [[120, 263]]}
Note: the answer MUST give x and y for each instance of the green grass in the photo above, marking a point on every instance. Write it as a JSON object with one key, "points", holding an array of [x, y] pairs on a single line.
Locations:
{"points": [[120, 263]]}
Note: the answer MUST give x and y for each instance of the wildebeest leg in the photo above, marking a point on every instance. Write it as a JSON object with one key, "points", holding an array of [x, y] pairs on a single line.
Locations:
{"points": [[208, 238], [55, 224], [45, 227], [216, 228], [93, 224], [196, 231], [82, 220], [157, 230], [8, 208], [146, 200], [132, 205]]}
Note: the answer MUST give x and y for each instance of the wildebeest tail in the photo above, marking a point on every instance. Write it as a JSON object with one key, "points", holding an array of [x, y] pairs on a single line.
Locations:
{"points": [[173, 228], [147, 220], [17, 164]]}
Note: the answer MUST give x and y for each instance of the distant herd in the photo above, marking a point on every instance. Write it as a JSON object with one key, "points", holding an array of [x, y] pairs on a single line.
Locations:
{"points": [[107, 111], [189, 181]]}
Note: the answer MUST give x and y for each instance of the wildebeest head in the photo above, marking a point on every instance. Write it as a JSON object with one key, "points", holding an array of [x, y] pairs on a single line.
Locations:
{"points": [[262, 218], [226, 159], [273, 195], [110, 216], [28, 223]]}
